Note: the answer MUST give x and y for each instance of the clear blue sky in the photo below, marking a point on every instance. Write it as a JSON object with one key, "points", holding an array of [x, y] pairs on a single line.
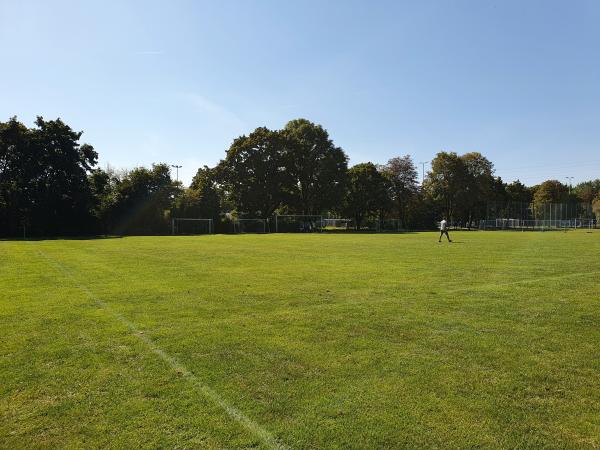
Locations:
{"points": [[177, 81]]}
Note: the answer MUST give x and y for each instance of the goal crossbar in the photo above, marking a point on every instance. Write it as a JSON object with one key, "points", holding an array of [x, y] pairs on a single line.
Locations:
{"points": [[315, 219], [176, 220], [238, 225]]}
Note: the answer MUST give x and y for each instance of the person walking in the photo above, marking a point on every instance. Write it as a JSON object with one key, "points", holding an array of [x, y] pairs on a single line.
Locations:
{"points": [[444, 230]]}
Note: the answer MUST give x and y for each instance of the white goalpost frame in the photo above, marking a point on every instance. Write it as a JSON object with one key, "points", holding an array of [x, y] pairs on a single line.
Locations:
{"points": [[329, 220], [316, 216], [236, 224], [395, 224], [537, 224], [183, 219]]}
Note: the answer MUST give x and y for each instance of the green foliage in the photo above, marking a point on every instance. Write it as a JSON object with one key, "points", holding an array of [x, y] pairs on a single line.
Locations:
{"points": [[446, 181], [202, 200], [401, 174], [49, 185], [44, 182], [142, 200], [596, 207], [368, 192], [317, 167], [462, 185], [478, 188], [588, 190], [550, 191], [519, 193], [256, 173]]}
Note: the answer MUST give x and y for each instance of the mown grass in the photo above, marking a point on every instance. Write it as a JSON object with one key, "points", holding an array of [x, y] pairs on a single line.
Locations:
{"points": [[322, 341]]}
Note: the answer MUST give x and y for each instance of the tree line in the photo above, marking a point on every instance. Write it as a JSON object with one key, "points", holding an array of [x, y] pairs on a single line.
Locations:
{"points": [[50, 185]]}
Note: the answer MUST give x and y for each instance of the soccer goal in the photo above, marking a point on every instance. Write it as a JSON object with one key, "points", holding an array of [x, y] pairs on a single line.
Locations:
{"points": [[250, 226], [192, 226], [298, 223], [336, 224], [390, 225]]}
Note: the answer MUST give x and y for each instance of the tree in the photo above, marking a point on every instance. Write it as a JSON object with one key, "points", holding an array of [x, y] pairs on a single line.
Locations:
{"points": [[423, 210], [588, 191], [367, 192], [255, 173], [142, 201], [318, 168], [550, 191], [16, 175], [596, 208], [102, 185], [402, 175], [478, 186], [45, 182], [446, 181], [498, 190], [462, 185], [202, 200], [517, 192]]}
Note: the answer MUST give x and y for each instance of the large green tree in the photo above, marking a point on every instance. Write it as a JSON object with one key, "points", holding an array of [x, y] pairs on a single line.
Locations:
{"points": [[318, 168], [550, 200], [462, 185], [142, 201], [402, 176], [551, 191], [517, 192], [44, 179], [202, 200], [478, 187], [103, 186], [588, 190], [446, 181], [596, 208], [368, 193], [255, 173]]}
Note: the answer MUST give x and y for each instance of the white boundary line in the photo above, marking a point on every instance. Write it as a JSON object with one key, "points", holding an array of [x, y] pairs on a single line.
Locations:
{"points": [[207, 391], [483, 287]]}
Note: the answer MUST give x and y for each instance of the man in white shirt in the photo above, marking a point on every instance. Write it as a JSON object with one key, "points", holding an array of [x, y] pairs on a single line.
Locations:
{"points": [[444, 230]]}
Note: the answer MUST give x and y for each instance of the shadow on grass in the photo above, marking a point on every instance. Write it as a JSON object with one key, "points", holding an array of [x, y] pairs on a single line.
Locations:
{"points": [[58, 238], [87, 238]]}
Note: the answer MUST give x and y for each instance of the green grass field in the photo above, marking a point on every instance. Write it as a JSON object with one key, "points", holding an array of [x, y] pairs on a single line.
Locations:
{"points": [[302, 341]]}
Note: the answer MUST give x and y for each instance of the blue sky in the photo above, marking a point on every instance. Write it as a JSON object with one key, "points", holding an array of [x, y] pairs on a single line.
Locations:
{"points": [[177, 81]]}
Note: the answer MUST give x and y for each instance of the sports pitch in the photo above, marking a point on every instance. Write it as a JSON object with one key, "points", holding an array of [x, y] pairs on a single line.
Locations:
{"points": [[302, 341]]}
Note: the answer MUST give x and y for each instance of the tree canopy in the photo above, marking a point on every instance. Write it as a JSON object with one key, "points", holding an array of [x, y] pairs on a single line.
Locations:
{"points": [[318, 168], [50, 185], [367, 193], [44, 184]]}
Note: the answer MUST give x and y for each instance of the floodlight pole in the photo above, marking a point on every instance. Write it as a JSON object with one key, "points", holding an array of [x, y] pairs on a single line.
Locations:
{"points": [[570, 183], [423, 170], [176, 167]]}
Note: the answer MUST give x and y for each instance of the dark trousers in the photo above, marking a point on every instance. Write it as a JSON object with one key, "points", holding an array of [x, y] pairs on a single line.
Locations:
{"points": [[444, 232]]}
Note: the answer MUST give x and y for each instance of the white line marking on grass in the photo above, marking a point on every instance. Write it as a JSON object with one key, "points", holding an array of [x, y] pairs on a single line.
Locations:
{"points": [[207, 391], [526, 281]]}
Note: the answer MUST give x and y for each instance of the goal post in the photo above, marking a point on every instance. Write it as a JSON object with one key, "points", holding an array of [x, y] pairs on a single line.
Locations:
{"points": [[181, 225], [298, 223], [390, 225], [336, 224], [241, 226]]}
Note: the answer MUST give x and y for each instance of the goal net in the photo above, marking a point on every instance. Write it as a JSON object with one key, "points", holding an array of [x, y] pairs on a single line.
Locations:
{"points": [[336, 224], [535, 224], [250, 226], [192, 226], [390, 225], [298, 223]]}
